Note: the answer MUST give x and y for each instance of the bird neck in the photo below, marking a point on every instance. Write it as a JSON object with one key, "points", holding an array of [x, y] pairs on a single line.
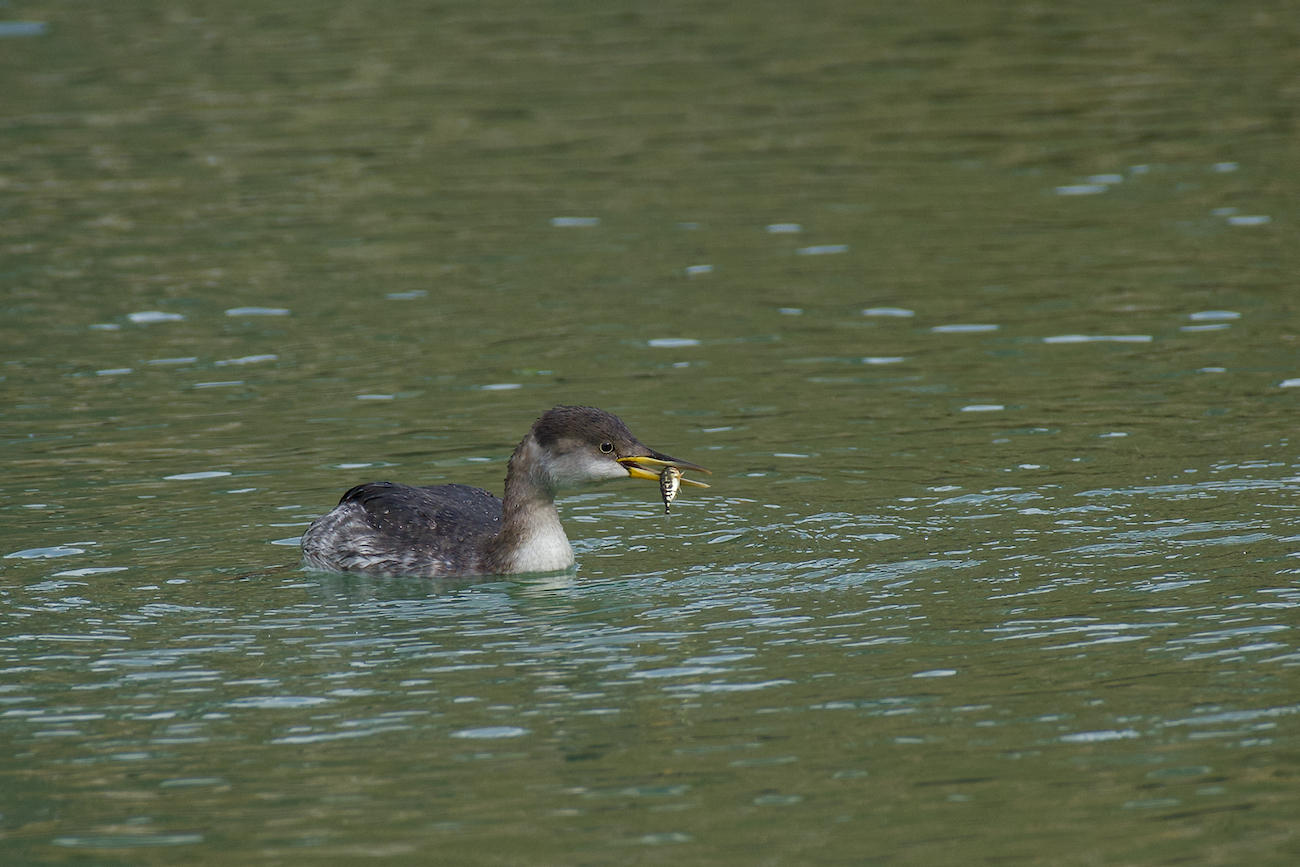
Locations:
{"points": [[531, 537]]}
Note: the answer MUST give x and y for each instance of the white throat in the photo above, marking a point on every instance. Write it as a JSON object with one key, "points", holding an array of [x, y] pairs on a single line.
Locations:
{"points": [[542, 545]]}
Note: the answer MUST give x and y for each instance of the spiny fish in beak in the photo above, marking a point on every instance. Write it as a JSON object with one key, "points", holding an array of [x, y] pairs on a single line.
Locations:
{"points": [[667, 470], [670, 482]]}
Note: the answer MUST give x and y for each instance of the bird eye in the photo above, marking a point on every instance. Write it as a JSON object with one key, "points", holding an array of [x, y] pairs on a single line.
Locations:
{"points": [[607, 447]]}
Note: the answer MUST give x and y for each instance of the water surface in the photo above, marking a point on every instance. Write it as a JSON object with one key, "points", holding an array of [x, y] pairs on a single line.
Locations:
{"points": [[983, 315]]}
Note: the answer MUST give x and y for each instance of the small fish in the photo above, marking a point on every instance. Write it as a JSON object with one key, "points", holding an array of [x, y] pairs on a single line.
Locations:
{"points": [[670, 482]]}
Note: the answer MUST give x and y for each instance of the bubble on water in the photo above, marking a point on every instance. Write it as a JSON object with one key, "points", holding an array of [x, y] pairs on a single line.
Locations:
{"points": [[823, 250], [376, 397], [278, 701], [23, 28], [1099, 338], [206, 474], [962, 329], [406, 296], [258, 311], [55, 586], [777, 800], [901, 312], [936, 672], [490, 733], [1218, 326], [106, 326], [666, 837], [784, 228], [983, 407], [125, 841], [247, 359], [113, 371], [147, 316], [1205, 315], [852, 773], [1081, 189], [672, 342], [219, 384], [91, 570], [1099, 737], [188, 359], [575, 222], [45, 553], [693, 270], [883, 359], [1225, 167], [1249, 220], [1289, 383], [501, 386]]}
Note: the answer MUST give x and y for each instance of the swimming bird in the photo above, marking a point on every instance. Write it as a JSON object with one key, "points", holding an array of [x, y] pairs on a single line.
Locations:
{"points": [[385, 528]]}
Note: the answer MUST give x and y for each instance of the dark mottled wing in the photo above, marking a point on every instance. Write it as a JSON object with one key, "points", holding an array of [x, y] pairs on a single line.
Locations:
{"points": [[437, 517], [383, 527]]}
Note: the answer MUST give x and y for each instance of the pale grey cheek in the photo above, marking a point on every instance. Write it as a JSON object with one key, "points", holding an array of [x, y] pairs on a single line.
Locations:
{"points": [[574, 470], [617, 471]]}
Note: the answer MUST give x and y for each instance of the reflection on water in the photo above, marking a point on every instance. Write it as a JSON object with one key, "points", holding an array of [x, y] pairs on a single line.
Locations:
{"points": [[980, 314]]}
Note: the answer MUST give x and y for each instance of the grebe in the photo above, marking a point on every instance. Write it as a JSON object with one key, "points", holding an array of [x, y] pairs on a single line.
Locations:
{"points": [[451, 530]]}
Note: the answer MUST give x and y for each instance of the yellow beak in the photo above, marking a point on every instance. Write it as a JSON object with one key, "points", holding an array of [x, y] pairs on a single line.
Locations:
{"points": [[650, 466]]}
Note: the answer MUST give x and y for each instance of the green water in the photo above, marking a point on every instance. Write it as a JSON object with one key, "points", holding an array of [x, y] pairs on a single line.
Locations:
{"points": [[1018, 594]]}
